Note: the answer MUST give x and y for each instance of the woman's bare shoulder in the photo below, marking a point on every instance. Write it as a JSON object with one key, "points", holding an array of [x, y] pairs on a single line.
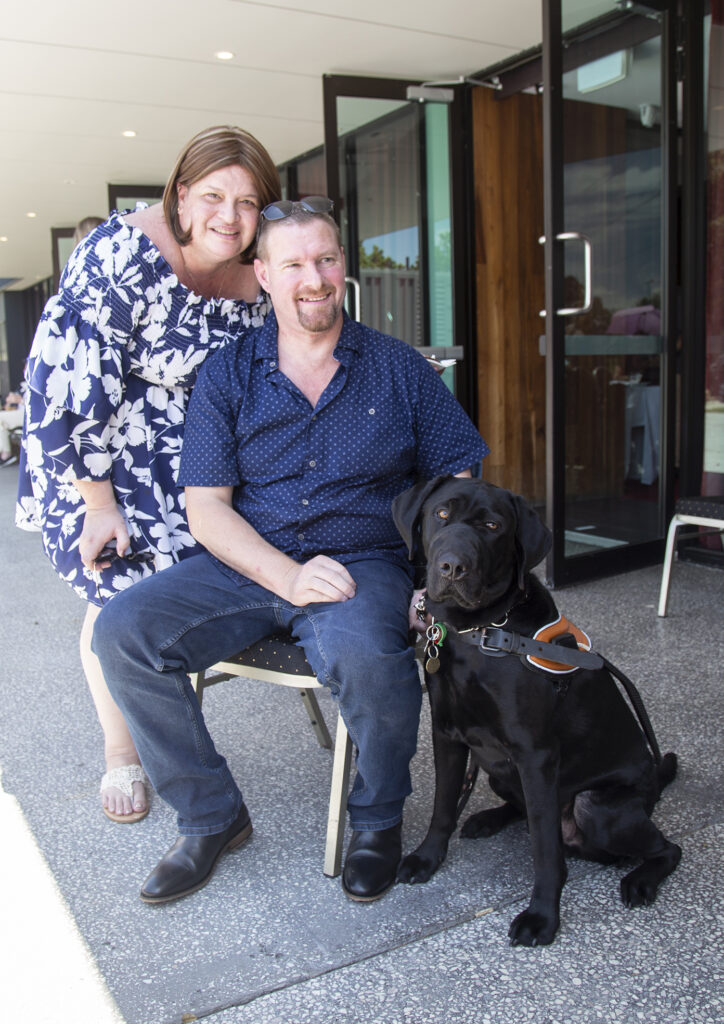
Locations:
{"points": [[152, 222]]}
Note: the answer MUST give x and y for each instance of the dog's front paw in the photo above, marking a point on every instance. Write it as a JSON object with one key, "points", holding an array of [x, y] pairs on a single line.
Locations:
{"points": [[485, 824], [415, 869], [532, 929], [638, 889]]}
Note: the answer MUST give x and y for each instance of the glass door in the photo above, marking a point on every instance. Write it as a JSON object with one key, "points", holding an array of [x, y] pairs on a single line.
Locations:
{"points": [[608, 294], [389, 172]]}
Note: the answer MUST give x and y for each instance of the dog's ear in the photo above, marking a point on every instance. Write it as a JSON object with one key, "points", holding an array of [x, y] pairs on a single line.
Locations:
{"points": [[533, 539], [406, 509]]}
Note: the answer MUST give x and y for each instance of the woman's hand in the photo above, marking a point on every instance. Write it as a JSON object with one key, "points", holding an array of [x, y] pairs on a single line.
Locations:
{"points": [[103, 522], [100, 526]]}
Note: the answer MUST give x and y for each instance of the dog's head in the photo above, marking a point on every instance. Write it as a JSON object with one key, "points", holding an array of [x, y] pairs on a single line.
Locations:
{"points": [[478, 540]]}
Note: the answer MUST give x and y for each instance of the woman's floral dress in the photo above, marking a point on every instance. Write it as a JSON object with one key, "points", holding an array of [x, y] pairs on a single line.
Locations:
{"points": [[109, 375]]}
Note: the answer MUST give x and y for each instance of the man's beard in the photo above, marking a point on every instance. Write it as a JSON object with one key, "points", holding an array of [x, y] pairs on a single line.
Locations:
{"points": [[317, 320]]}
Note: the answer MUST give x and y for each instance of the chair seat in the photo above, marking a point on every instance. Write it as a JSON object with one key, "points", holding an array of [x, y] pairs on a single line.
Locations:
{"points": [[276, 654], [704, 507]]}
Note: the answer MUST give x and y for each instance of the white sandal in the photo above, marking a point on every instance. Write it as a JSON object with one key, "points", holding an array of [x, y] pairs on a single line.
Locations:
{"points": [[123, 778]]}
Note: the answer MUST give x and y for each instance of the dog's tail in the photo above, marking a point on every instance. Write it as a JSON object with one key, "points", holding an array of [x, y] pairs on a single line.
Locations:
{"points": [[666, 770]]}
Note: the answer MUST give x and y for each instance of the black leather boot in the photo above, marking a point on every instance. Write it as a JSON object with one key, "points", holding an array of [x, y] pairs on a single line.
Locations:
{"points": [[190, 862], [370, 868]]}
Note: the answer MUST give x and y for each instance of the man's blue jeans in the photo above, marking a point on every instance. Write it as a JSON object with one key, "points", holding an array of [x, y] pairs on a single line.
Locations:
{"points": [[184, 619]]}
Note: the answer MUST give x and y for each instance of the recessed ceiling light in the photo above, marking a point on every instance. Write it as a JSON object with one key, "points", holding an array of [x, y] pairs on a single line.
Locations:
{"points": [[224, 55], [130, 134], [3, 238], [31, 214]]}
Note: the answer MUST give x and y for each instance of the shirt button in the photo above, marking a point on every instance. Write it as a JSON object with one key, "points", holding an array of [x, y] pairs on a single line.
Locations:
{"points": [[305, 501], [312, 463], [300, 536], [273, 364]]}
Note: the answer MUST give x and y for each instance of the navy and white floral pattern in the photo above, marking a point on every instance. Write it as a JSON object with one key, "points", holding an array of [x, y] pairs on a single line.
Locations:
{"points": [[113, 361]]}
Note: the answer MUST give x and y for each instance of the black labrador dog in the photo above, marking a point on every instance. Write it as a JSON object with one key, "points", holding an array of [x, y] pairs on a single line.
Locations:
{"points": [[562, 748]]}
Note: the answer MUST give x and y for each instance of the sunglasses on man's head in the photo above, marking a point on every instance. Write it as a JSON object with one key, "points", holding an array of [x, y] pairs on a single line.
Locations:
{"points": [[286, 207]]}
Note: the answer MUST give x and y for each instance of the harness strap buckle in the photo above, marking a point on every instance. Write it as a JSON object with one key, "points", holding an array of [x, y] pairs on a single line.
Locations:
{"points": [[491, 641]]}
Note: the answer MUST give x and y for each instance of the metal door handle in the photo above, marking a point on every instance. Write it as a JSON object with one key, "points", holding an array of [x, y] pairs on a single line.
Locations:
{"points": [[566, 236], [357, 296]]}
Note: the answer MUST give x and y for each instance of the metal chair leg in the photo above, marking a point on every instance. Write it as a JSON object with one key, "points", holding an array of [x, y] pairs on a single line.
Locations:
{"points": [[338, 800], [668, 559], [197, 684], [316, 718]]}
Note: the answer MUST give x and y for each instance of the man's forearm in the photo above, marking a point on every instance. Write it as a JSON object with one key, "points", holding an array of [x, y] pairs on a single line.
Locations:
{"points": [[216, 524], [223, 532]]}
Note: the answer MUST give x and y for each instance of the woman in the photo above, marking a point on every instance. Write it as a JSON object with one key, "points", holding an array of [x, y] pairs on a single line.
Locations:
{"points": [[144, 299]]}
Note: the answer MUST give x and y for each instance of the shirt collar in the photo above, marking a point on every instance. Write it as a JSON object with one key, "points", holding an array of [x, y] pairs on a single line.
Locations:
{"points": [[351, 335], [266, 341]]}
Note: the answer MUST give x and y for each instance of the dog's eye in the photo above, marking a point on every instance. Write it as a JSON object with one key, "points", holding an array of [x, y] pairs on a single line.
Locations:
{"points": [[490, 525], [442, 513]]}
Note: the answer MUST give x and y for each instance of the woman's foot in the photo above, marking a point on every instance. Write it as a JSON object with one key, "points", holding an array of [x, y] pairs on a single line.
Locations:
{"points": [[123, 794]]}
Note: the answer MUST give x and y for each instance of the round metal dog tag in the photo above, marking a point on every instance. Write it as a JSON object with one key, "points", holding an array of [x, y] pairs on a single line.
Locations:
{"points": [[432, 665]]}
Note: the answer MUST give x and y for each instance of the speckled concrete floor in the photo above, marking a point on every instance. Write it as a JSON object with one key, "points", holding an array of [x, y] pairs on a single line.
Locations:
{"points": [[272, 940]]}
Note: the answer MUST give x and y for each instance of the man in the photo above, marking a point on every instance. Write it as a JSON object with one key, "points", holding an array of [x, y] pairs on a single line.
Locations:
{"points": [[298, 437]]}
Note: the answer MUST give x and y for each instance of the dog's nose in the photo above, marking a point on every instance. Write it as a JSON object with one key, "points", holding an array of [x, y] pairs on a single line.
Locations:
{"points": [[452, 568]]}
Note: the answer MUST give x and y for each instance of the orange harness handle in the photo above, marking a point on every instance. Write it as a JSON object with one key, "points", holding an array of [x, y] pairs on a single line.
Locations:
{"points": [[548, 634]]}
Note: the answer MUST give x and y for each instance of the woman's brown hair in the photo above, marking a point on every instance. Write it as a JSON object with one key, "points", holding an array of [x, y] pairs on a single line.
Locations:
{"points": [[220, 146]]}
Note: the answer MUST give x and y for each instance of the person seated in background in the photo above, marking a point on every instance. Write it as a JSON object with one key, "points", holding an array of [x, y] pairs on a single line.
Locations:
{"points": [[298, 438], [11, 417], [84, 227]]}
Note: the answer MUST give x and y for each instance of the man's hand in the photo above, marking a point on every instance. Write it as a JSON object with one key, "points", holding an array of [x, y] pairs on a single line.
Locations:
{"points": [[417, 625], [319, 580]]}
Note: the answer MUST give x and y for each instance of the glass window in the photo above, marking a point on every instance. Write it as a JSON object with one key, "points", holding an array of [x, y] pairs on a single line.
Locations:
{"points": [[614, 345], [394, 170], [311, 175], [439, 234], [383, 221]]}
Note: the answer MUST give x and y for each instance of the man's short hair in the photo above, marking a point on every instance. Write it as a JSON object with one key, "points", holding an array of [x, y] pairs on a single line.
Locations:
{"points": [[298, 216]]}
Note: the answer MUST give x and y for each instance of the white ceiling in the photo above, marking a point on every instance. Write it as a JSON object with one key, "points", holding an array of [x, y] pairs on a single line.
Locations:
{"points": [[75, 74]]}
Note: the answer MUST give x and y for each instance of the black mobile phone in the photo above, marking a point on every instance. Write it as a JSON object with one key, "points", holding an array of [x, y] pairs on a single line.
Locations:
{"points": [[110, 554]]}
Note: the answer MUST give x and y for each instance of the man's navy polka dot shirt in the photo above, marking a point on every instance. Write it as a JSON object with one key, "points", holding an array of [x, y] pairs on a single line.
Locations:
{"points": [[320, 481]]}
